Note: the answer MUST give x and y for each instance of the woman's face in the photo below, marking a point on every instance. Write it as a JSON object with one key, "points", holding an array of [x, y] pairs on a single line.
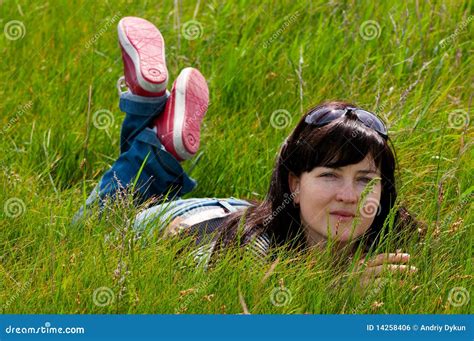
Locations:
{"points": [[329, 200]]}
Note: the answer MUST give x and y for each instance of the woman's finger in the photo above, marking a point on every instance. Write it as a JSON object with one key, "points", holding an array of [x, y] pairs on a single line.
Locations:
{"points": [[377, 270], [389, 258]]}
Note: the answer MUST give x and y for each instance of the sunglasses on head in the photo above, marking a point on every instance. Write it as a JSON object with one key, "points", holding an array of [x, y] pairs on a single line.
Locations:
{"points": [[322, 116]]}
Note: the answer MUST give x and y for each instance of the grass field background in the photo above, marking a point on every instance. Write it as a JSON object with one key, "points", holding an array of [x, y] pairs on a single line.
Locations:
{"points": [[266, 63]]}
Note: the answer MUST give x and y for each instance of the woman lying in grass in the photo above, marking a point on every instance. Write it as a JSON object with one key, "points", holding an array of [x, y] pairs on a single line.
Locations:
{"points": [[333, 183]]}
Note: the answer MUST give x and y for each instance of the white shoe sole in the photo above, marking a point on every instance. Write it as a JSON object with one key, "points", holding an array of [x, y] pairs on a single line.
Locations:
{"points": [[133, 54], [179, 112]]}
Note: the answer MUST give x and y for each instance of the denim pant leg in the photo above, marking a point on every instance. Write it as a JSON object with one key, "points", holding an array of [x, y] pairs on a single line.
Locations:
{"points": [[139, 114], [140, 146]]}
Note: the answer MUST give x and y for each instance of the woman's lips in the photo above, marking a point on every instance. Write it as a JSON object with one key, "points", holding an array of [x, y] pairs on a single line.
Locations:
{"points": [[342, 216]]}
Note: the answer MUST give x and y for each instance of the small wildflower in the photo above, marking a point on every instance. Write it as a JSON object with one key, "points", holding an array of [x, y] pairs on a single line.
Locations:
{"points": [[455, 226], [421, 230], [182, 310], [186, 292], [376, 305], [462, 276], [136, 300], [271, 75], [208, 297]]}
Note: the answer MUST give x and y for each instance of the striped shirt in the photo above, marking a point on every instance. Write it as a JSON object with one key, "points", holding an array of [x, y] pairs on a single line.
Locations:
{"points": [[161, 216]]}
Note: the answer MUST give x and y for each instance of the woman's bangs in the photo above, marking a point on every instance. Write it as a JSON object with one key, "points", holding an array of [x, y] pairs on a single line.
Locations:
{"points": [[345, 143]]}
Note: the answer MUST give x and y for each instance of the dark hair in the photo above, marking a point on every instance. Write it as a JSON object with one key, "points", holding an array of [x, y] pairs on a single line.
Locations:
{"points": [[342, 142]]}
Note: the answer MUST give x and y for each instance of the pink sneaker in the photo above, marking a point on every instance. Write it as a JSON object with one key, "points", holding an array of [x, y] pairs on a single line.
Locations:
{"points": [[143, 53], [179, 126]]}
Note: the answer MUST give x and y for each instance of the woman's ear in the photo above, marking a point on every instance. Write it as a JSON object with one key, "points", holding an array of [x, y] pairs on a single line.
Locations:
{"points": [[294, 184]]}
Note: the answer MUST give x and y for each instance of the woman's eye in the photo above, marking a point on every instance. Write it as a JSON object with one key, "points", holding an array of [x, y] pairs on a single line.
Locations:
{"points": [[334, 176]]}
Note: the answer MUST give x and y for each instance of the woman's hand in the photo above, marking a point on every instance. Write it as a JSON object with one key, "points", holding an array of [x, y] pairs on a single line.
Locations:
{"points": [[373, 269]]}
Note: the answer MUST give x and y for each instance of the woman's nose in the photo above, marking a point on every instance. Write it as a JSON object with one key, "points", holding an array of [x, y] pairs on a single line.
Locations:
{"points": [[347, 193]]}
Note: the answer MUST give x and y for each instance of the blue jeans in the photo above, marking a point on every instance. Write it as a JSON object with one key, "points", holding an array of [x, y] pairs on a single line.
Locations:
{"points": [[140, 147]]}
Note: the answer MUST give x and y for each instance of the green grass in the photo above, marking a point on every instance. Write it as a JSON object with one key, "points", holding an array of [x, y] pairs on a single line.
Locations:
{"points": [[64, 69]]}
